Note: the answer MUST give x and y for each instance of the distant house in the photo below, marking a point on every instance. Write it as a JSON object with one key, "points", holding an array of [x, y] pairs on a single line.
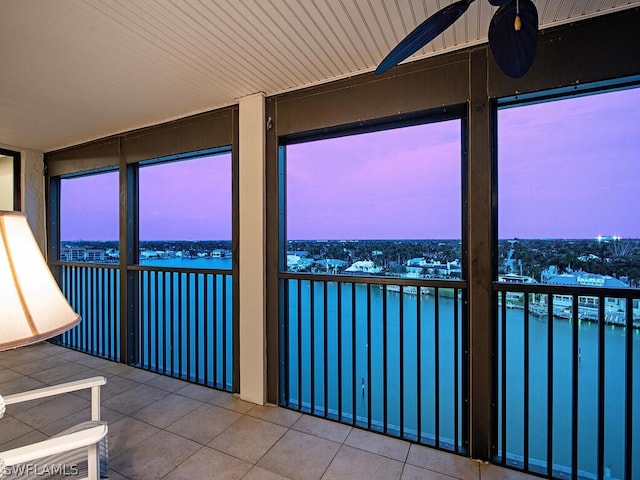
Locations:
{"points": [[292, 261], [433, 267], [364, 267], [332, 265]]}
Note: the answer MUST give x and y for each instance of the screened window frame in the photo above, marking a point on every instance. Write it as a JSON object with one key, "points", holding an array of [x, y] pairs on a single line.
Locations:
{"points": [[453, 112]]}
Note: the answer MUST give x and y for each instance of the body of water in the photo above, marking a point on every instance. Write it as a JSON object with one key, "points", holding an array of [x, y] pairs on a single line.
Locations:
{"points": [[390, 361]]}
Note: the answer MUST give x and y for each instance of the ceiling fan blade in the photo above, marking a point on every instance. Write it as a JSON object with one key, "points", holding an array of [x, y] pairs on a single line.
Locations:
{"points": [[424, 33], [498, 3], [513, 49]]}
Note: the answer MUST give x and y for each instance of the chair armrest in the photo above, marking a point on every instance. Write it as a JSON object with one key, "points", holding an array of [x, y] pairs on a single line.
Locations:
{"points": [[54, 446], [54, 390]]}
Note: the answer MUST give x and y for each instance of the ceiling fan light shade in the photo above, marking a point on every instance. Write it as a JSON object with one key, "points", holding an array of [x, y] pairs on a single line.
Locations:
{"points": [[424, 33], [514, 50]]}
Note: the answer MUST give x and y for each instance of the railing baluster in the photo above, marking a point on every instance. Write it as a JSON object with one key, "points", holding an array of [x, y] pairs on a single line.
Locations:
{"points": [[354, 378], [503, 350], [419, 367], [401, 349], [368, 320], [550, 385], [151, 286], [436, 359], [189, 315], [456, 377], [224, 332], [216, 350], [206, 330], [325, 353], [312, 347], [574, 388], [525, 408], [299, 319], [339, 339], [628, 416], [601, 387], [385, 376], [172, 316]]}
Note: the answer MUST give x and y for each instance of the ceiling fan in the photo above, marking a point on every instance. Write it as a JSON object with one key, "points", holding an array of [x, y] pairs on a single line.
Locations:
{"points": [[513, 35]]}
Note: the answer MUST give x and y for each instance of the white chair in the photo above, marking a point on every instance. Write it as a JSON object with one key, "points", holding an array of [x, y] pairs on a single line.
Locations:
{"points": [[79, 450]]}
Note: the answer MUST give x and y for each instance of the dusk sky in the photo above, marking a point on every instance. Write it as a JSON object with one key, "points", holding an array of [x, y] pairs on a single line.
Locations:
{"points": [[571, 168], [567, 169], [394, 184]]}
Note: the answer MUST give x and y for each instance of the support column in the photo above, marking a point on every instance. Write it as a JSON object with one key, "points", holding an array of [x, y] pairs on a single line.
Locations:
{"points": [[252, 249], [481, 230]]}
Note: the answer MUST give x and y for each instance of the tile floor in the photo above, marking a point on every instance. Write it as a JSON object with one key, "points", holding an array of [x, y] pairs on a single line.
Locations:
{"points": [[163, 428]]}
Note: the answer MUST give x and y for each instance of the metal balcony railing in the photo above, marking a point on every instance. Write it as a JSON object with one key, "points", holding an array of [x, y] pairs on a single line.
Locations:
{"points": [[186, 324], [182, 324], [377, 353], [94, 293], [565, 386]]}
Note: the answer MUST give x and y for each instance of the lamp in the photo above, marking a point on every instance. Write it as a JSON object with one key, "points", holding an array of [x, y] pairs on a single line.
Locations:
{"points": [[32, 307]]}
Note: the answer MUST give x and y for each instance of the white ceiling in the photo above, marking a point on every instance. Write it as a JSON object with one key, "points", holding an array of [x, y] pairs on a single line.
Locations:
{"points": [[76, 70]]}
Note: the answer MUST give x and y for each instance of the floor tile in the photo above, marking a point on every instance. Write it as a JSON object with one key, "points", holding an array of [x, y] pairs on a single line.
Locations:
{"points": [[57, 426], [230, 401], [209, 463], [70, 355], [126, 433], [34, 366], [319, 427], [167, 383], [411, 472], [443, 462], [138, 375], [167, 410], [53, 409], [259, 473], [300, 456], [204, 423], [151, 460], [134, 399], [60, 373], [8, 374], [248, 438], [28, 438], [12, 428], [197, 392], [273, 414], [91, 361], [115, 386], [376, 443], [20, 384], [352, 463], [112, 368]]}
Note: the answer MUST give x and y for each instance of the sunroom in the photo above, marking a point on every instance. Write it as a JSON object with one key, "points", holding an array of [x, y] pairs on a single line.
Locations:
{"points": [[288, 266]]}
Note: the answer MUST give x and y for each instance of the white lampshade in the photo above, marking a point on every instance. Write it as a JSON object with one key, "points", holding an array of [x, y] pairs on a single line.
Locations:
{"points": [[32, 307]]}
